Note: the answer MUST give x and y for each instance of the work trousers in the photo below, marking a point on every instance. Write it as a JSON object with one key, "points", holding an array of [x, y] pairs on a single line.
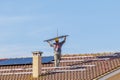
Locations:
{"points": [[57, 58]]}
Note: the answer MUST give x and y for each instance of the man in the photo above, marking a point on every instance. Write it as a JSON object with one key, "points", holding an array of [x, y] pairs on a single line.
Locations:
{"points": [[57, 50]]}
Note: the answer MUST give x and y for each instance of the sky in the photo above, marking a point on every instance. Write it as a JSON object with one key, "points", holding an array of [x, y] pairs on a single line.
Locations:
{"points": [[92, 25]]}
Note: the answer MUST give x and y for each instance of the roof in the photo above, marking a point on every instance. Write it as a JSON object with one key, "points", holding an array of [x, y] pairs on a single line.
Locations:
{"points": [[73, 67]]}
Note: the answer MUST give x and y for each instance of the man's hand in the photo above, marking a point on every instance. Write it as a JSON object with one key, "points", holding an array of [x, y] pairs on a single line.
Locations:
{"points": [[64, 38], [48, 41]]}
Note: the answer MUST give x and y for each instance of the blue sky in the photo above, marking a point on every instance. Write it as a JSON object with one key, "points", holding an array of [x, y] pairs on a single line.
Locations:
{"points": [[93, 26]]}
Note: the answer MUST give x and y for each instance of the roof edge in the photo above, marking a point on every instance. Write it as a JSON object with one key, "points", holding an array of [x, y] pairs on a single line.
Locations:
{"points": [[107, 74]]}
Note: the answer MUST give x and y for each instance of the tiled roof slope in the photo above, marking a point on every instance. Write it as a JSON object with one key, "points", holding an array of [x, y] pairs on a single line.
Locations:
{"points": [[88, 67]]}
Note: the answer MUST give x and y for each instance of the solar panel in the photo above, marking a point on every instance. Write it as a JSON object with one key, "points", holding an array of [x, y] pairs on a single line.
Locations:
{"points": [[109, 56], [47, 59], [19, 61]]}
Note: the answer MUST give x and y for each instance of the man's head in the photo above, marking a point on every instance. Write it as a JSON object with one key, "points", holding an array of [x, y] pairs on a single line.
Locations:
{"points": [[57, 40]]}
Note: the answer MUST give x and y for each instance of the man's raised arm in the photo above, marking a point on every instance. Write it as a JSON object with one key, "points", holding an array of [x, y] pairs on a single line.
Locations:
{"points": [[51, 45], [64, 40]]}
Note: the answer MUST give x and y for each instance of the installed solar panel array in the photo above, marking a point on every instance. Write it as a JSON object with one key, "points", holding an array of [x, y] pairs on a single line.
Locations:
{"points": [[17, 61]]}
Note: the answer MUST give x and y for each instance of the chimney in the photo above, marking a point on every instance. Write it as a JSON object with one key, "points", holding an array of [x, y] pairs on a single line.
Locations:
{"points": [[37, 64]]}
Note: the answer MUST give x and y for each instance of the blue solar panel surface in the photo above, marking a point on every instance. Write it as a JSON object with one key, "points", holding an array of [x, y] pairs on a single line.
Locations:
{"points": [[47, 59], [17, 61]]}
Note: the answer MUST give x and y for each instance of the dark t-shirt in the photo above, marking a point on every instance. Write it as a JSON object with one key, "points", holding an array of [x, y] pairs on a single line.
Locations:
{"points": [[57, 46]]}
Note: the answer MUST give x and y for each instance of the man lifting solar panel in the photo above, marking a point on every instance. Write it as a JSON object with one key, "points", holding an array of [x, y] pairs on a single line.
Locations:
{"points": [[57, 47]]}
